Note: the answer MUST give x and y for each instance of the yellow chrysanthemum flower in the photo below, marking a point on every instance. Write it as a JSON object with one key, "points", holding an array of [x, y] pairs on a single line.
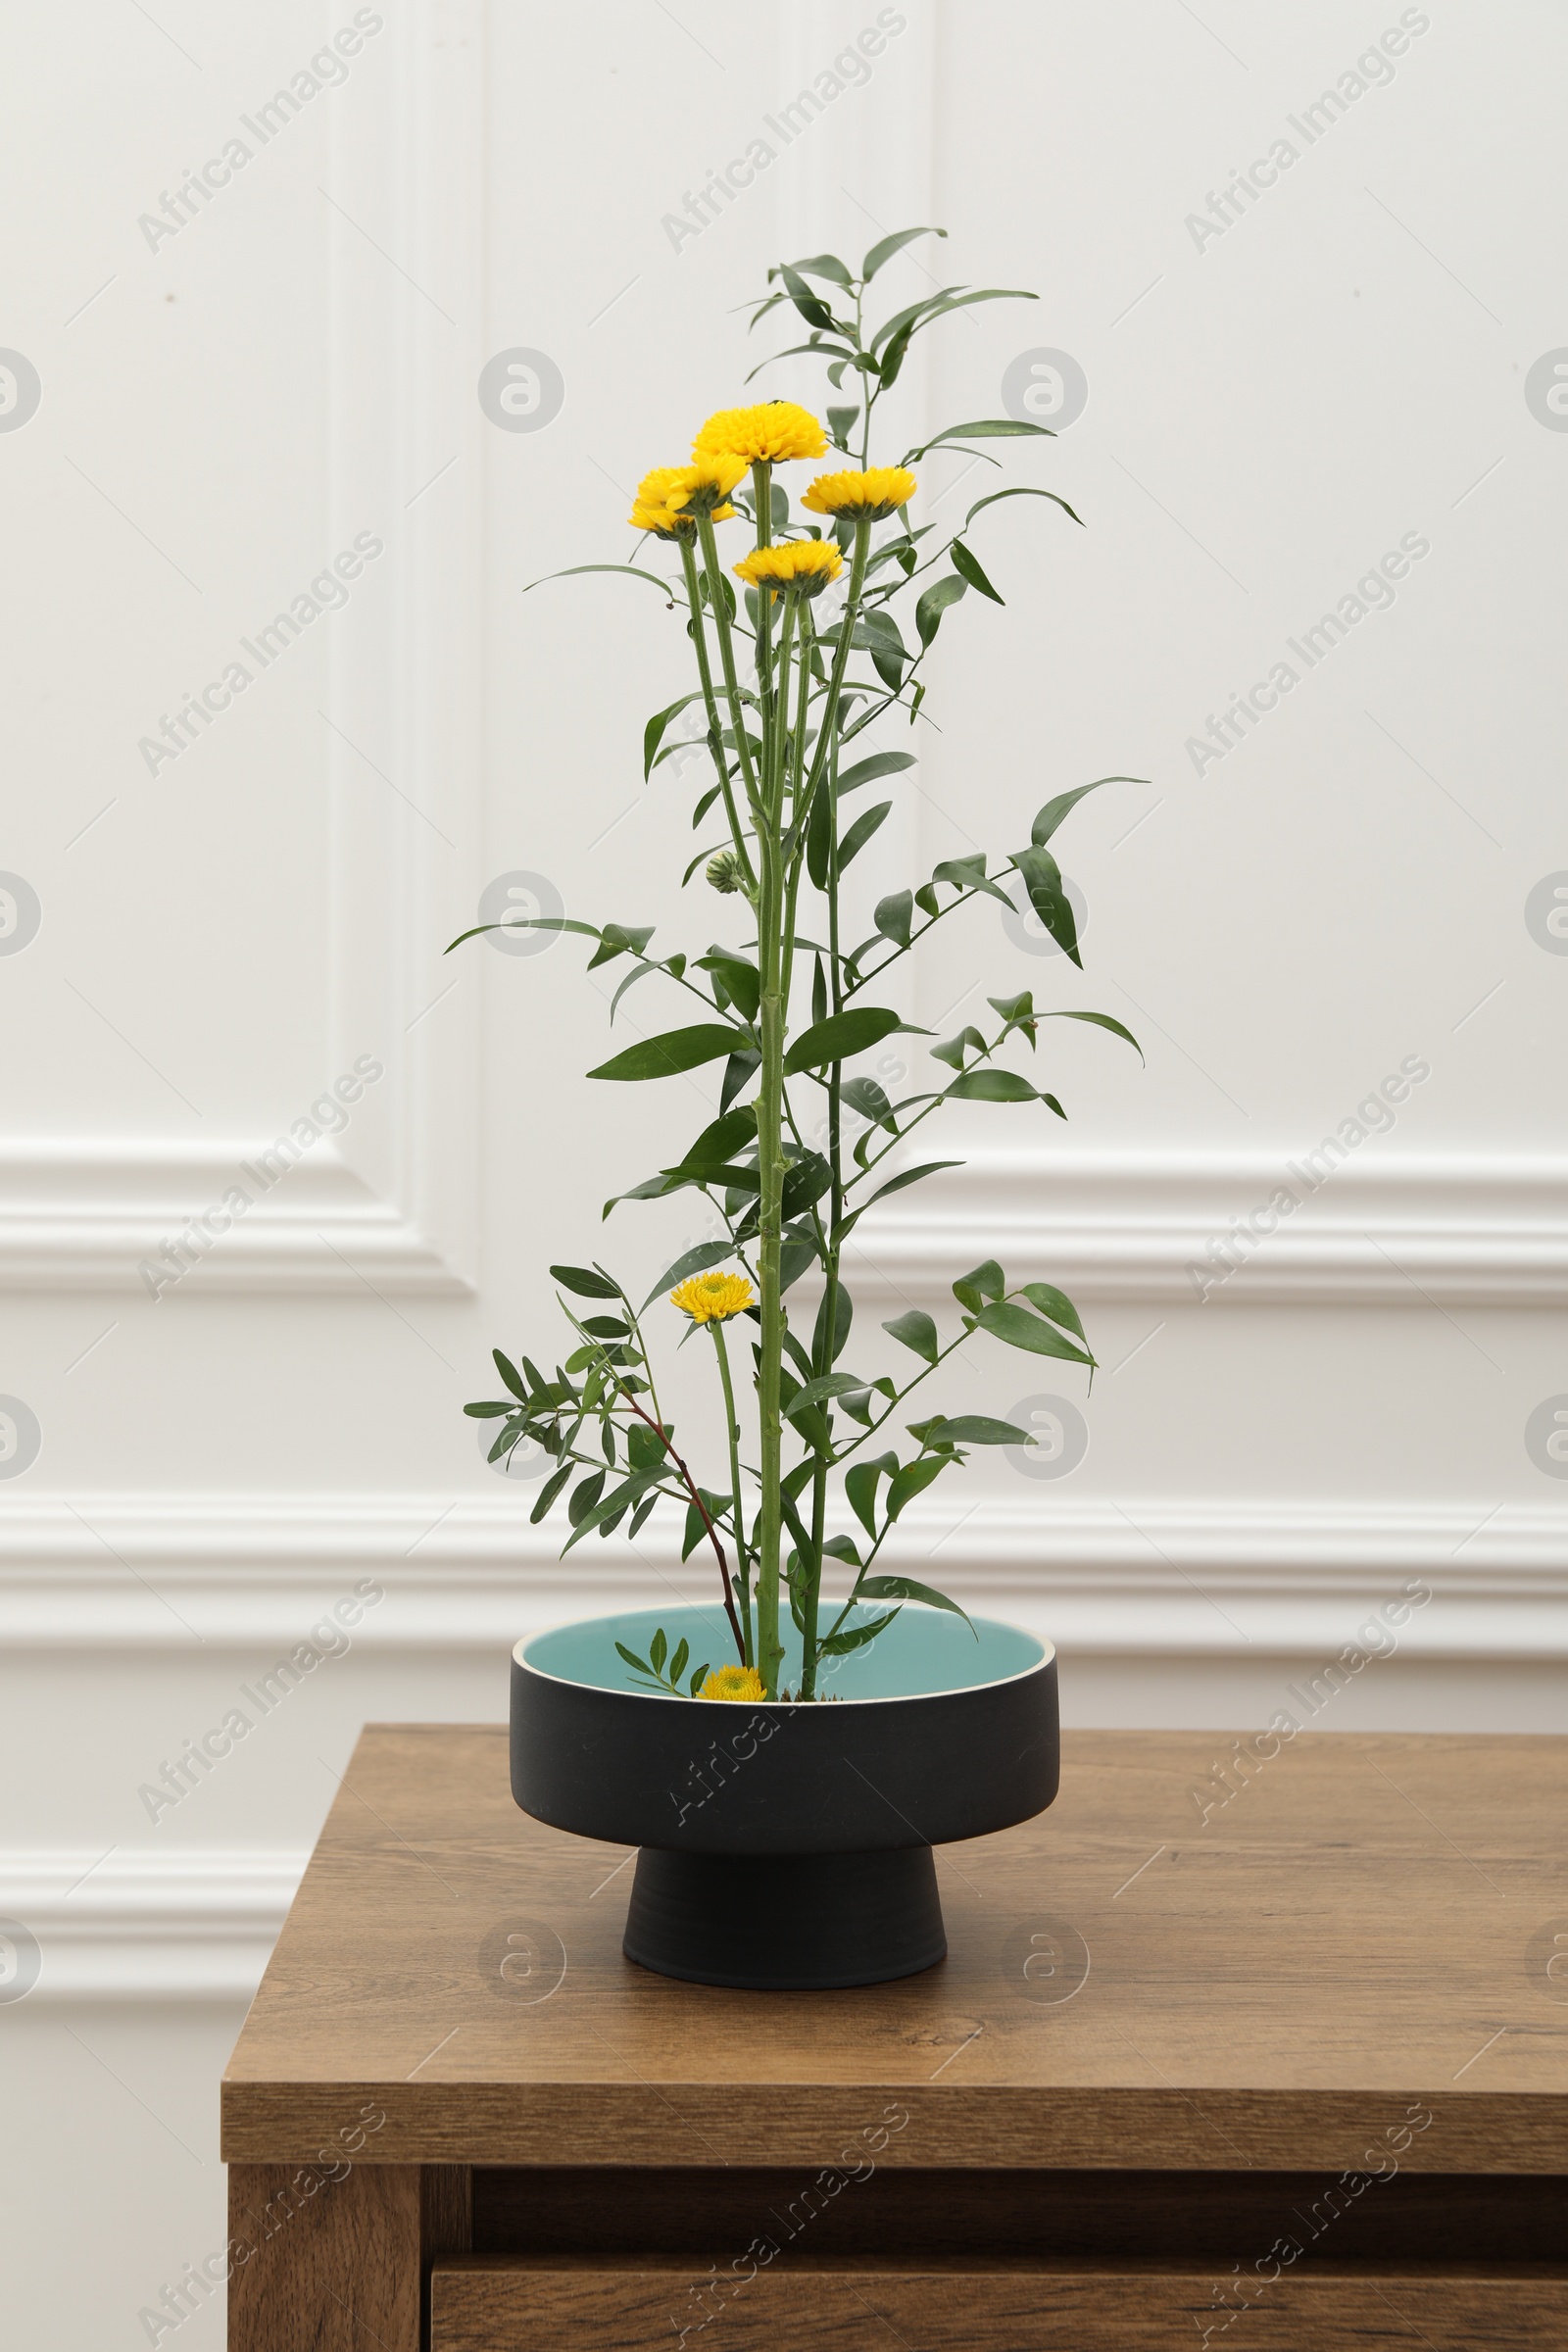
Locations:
{"points": [[775, 430], [797, 566], [667, 522], [713, 1297], [867, 497], [733, 1682], [670, 497]]}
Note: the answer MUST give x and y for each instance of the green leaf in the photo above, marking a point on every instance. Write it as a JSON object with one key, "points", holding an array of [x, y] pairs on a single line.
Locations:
{"points": [[486, 1412], [585, 1497], [1101, 1020], [654, 732], [668, 1056], [978, 1428], [885, 248], [658, 1650], [918, 1331], [969, 873], [549, 1491], [860, 832], [651, 1188], [698, 1677], [583, 1283], [953, 1050], [678, 1663], [904, 323], [893, 355], [860, 1488], [721, 1141], [620, 939], [854, 1636], [904, 1588], [839, 422], [985, 429], [986, 1281], [806, 1179], [819, 1391], [1021, 490], [632, 1660], [992, 1086], [737, 1071], [969, 565], [826, 265], [1052, 814], [839, 1036], [792, 1517], [639, 971], [889, 660], [620, 1499], [512, 1379], [935, 602], [820, 840], [843, 1317], [896, 1184], [668, 588], [793, 1260], [742, 981], [695, 1261], [864, 1096], [1041, 877], [813, 309], [644, 1447], [895, 917], [913, 1479], [527, 922], [1019, 1329], [882, 763], [1055, 1303]]}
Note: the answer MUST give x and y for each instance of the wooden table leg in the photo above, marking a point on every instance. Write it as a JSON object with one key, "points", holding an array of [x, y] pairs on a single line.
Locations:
{"points": [[334, 2264]]}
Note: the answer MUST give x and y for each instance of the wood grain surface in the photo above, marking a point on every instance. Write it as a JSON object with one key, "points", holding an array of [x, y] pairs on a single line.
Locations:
{"points": [[1064, 2309], [1351, 1943], [322, 2264]]}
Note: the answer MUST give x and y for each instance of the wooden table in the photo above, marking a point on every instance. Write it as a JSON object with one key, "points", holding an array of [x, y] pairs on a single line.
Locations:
{"points": [[1293, 2076]]}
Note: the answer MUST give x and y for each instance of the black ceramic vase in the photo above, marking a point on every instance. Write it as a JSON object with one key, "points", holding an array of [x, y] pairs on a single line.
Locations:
{"points": [[786, 1847]]}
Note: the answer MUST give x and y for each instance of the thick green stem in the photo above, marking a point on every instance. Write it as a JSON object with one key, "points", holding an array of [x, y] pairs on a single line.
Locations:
{"points": [[773, 1014], [770, 1177], [830, 1292], [743, 1566], [688, 558]]}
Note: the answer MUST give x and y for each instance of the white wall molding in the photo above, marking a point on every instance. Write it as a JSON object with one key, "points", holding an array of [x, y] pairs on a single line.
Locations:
{"points": [[84, 1215], [89, 1215], [1217, 1577], [1394, 1232], [137, 1926], [397, 1202]]}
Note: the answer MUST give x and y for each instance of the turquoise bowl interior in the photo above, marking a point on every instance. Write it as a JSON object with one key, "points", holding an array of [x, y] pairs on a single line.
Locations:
{"points": [[923, 1653]]}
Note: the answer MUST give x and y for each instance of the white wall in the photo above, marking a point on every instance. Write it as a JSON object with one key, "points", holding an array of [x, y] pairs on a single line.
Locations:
{"points": [[1269, 411]]}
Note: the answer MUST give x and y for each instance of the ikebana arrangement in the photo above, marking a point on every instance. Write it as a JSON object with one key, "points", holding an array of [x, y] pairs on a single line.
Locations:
{"points": [[842, 594]]}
